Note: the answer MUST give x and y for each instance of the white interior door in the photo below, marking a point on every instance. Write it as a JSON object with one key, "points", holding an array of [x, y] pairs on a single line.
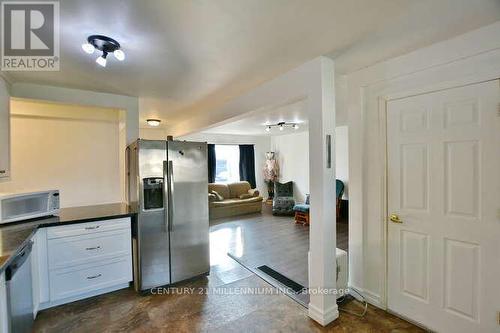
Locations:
{"points": [[444, 187]]}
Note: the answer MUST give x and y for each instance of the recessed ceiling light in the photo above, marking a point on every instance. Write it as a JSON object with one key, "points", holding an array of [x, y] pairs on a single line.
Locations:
{"points": [[153, 122], [105, 45]]}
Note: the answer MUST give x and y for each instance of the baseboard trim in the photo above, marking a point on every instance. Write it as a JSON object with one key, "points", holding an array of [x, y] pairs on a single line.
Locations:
{"points": [[323, 318], [373, 299], [370, 297], [48, 305]]}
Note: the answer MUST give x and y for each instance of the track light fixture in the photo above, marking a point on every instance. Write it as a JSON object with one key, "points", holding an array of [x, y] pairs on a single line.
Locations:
{"points": [[104, 44], [281, 126]]}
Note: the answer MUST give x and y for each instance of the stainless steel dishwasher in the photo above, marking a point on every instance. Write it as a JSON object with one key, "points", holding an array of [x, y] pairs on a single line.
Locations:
{"points": [[19, 292]]}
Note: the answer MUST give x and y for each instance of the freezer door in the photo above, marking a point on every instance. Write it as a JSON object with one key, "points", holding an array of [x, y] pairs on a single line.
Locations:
{"points": [[152, 229], [188, 215]]}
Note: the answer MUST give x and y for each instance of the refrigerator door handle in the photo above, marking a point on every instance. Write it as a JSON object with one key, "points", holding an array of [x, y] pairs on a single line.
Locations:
{"points": [[166, 195], [170, 195]]}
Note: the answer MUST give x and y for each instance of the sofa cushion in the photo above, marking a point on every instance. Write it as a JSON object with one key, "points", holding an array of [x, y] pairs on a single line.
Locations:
{"points": [[238, 188], [283, 205], [234, 202], [283, 189], [301, 208], [222, 189], [246, 196]]}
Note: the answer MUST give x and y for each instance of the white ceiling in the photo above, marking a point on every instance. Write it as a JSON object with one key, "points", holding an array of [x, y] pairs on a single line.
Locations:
{"points": [[189, 56], [255, 122]]}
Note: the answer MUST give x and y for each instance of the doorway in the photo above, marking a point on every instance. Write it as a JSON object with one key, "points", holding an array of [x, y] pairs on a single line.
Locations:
{"points": [[443, 190]]}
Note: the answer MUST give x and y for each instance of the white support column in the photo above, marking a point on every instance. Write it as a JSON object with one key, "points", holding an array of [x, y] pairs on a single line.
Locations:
{"points": [[322, 243]]}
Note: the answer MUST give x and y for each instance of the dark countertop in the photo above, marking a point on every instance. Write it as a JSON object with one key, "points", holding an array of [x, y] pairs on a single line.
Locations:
{"points": [[14, 236]]}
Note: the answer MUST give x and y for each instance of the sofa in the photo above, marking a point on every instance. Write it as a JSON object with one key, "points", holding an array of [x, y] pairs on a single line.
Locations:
{"points": [[233, 199]]}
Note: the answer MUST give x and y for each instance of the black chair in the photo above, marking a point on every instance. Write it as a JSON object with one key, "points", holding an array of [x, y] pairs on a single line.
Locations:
{"points": [[283, 200]]}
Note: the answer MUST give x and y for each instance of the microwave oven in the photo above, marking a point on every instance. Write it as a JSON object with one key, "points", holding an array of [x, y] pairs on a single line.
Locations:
{"points": [[16, 207]]}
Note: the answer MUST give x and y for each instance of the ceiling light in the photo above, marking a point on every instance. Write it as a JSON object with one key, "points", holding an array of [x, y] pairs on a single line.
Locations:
{"points": [[153, 122], [88, 48], [105, 45], [282, 125], [119, 55], [102, 60]]}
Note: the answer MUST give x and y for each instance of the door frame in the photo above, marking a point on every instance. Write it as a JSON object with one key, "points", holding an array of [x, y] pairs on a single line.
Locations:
{"points": [[382, 113], [470, 57]]}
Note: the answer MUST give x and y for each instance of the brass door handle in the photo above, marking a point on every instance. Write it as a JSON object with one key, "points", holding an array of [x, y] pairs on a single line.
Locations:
{"points": [[395, 218]]}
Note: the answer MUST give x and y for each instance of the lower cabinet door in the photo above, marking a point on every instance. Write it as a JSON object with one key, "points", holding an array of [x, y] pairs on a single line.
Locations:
{"points": [[65, 283], [78, 250]]}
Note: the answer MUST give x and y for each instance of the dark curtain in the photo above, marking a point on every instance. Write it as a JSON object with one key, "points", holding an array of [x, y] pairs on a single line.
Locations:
{"points": [[247, 164], [212, 162]]}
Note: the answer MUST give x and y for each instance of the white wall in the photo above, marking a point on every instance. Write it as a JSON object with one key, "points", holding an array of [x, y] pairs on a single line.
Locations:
{"points": [[76, 149], [262, 144], [468, 58], [342, 157], [292, 153]]}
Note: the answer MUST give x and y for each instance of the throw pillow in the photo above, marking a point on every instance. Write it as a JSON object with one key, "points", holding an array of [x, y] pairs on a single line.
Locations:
{"points": [[219, 197], [246, 196], [254, 192]]}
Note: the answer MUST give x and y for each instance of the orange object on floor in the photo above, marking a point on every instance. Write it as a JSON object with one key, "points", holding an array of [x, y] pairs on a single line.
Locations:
{"points": [[301, 217]]}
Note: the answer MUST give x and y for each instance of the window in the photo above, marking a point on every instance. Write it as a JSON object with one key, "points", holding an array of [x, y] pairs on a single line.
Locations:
{"points": [[227, 168]]}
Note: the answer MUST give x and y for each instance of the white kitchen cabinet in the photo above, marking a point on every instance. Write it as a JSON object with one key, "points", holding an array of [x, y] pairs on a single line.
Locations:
{"points": [[80, 280], [4, 328], [77, 261], [39, 270], [4, 130]]}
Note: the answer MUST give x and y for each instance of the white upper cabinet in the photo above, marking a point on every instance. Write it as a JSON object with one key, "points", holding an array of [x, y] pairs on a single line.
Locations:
{"points": [[4, 130]]}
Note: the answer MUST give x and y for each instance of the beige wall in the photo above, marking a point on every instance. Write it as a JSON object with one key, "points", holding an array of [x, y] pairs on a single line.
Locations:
{"points": [[153, 133], [76, 149]]}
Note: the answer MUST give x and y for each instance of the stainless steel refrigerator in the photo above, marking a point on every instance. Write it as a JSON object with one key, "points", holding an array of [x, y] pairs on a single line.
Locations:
{"points": [[167, 185]]}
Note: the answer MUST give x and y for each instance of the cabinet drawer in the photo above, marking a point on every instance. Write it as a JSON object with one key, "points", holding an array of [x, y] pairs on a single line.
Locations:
{"points": [[77, 250], [79, 280], [88, 228]]}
